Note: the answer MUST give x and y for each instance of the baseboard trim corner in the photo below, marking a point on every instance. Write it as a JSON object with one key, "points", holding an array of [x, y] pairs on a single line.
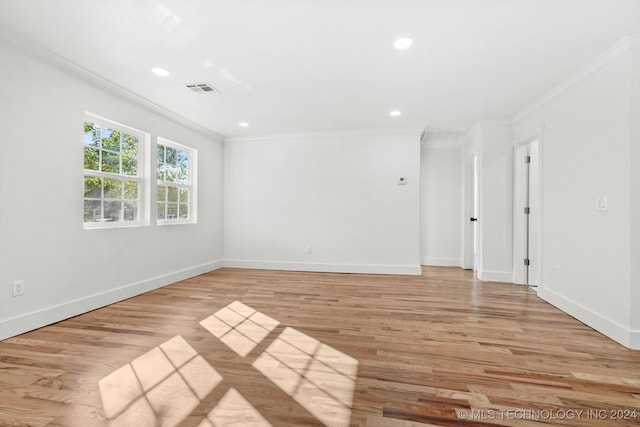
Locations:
{"points": [[635, 340], [413, 270], [46, 316], [495, 276], [441, 262], [604, 325]]}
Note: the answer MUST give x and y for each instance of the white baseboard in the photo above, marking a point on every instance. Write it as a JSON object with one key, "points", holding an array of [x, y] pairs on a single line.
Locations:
{"points": [[413, 270], [634, 340], [608, 327], [441, 262], [46, 316], [495, 276]]}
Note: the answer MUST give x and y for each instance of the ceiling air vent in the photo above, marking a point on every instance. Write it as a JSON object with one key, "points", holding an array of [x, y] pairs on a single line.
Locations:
{"points": [[202, 88]]}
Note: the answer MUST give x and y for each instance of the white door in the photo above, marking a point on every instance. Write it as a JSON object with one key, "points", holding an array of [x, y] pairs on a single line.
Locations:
{"points": [[474, 211], [527, 252], [471, 244]]}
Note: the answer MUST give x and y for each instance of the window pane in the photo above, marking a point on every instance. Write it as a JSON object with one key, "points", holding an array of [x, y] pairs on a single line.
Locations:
{"points": [[110, 162], [112, 189], [171, 173], [110, 139], [184, 211], [129, 155], [91, 134], [129, 164], [92, 187], [184, 195], [183, 168], [182, 159], [170, 156], [130, 143], [172, 210], [160, 154], [92, 211], [112, 210], [91, 158], [161, 210], [162, 174], [130, 211], [172, 194], [162, 193], [131, 190]]}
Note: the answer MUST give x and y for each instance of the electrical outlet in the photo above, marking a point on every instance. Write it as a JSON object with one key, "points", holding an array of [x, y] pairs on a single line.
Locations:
{"points": [[557, 271], [307, 250], [18, 288]]}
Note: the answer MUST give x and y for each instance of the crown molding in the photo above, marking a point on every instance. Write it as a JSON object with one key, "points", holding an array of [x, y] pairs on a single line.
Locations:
{"points": [[442, 138], [634, 41], [478, 125], [35, 50], [443, 143], [323, 134], [627, 45]]}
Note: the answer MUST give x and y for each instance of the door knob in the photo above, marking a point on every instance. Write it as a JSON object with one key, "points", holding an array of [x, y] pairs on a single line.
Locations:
{"points": [[473, 219]]}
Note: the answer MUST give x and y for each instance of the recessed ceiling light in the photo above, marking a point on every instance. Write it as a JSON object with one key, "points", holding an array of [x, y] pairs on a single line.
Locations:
{"points": [[395, 113], [243, 124], [160, 72], [403, 43]]}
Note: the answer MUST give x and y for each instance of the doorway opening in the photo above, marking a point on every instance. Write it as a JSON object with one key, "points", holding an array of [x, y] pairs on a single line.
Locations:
{"points": [[471, 236], [527, 257]]}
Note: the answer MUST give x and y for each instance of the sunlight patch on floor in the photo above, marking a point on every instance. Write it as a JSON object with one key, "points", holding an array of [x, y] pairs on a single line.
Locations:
{"points": [[163, 386], [240, 327], [234, 410], [160, 387], [317, 376]]}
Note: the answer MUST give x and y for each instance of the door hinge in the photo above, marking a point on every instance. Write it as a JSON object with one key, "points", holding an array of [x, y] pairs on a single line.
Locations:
{"points": [[526, 261], [527, 211], [527, 159]]}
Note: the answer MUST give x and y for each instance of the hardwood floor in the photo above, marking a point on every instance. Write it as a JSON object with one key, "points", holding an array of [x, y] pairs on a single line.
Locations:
{"points": [[254, 347]]}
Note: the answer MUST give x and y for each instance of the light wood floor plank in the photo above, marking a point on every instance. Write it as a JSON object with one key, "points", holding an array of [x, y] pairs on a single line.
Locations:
{"points": [[440, 349]]}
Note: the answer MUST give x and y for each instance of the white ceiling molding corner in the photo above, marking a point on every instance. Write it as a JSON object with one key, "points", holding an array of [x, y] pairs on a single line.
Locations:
{"points": [[29, 47]]}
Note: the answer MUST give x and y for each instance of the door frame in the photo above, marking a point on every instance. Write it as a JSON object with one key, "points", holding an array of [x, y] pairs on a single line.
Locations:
{"points": [[471, 260], [530, 146]]}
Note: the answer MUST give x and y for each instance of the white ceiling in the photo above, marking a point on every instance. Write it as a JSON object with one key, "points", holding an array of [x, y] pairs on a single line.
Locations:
{"points": [[315, 65]]}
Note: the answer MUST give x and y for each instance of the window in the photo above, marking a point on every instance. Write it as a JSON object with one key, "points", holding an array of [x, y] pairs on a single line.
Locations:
{"points": [[176, 183], [113, 174]]}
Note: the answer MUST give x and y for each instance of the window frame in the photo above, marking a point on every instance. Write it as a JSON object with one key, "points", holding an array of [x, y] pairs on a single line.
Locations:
{"points": [[141, 177], [191, 186]]}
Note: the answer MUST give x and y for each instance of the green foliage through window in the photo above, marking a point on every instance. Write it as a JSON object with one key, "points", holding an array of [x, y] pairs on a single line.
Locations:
{"points": [[174, 183], [111, 182]]}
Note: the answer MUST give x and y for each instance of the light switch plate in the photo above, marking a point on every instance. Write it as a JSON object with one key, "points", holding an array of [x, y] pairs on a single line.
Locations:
{"points": [[601, 204]]}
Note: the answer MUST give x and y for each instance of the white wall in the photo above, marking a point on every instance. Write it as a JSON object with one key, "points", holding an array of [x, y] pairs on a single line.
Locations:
{"points": [[68, 270], [440, 200], [492, 143], [496, 207], [634, 235], [586, 153], [337, 193]]}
